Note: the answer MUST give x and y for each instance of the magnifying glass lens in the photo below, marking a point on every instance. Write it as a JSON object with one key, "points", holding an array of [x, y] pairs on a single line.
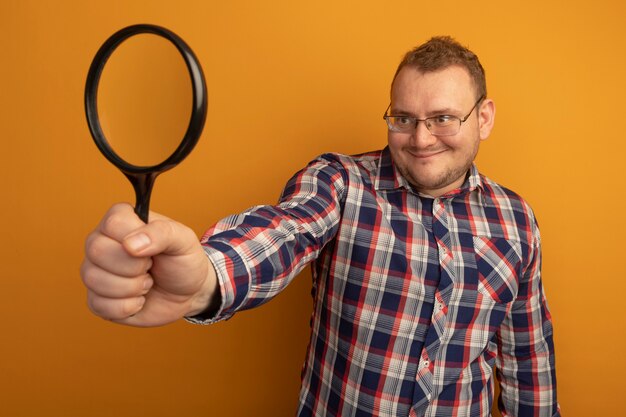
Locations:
{"points": [[149, 95]]}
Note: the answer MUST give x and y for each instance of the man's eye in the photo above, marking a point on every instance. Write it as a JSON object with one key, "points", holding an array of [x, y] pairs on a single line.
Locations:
{"points": [[443, 120], [404, 121]]}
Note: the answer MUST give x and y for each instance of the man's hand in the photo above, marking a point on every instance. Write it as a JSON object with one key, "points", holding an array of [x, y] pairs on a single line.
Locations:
{"points": [[146, 274]]}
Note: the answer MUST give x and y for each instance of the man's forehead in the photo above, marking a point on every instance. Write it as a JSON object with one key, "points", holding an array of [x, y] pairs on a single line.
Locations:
{"points": [[452, 73], [446, 88]]}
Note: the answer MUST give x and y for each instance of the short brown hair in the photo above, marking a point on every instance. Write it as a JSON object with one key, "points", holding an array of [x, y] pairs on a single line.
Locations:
{"points": [[441, 52]]}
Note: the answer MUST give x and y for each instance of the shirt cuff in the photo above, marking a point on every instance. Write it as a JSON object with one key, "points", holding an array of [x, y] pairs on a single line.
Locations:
{"points": [[213, 315]]}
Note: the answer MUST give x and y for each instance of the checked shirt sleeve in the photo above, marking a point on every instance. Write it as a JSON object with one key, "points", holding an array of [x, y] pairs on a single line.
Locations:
{"points": [[525, 365], [258, 252]]}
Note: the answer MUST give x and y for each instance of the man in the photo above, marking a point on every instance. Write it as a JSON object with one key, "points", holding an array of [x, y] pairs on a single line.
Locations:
{"points": [[426, 273]]}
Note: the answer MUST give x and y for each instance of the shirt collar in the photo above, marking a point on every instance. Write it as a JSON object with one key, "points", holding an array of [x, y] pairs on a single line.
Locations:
{"points": [[389, 178]]}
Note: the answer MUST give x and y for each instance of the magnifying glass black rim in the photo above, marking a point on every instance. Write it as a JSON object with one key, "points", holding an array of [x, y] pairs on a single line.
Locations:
{"points": [[198, 112]]}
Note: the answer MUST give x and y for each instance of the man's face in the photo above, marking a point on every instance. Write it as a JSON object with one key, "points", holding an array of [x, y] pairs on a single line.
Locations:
{"points": [[435, 165]]}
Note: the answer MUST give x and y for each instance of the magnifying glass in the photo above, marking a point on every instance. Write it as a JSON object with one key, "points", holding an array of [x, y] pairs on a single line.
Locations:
{"points": [[142, 176]]}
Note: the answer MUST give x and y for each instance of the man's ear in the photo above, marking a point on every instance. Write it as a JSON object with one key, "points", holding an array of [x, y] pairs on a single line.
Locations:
{"points": [[486, 117]]}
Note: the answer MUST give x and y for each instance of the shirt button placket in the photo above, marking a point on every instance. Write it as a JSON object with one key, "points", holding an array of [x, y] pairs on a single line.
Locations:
{"points": [[440, 229]]}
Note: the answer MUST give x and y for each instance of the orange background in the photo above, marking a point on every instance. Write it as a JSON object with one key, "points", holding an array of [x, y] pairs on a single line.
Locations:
{"points": [[287, 81]]}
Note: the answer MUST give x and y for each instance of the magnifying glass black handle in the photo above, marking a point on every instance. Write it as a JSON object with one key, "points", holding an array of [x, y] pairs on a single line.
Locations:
{"points": [[142, 177], [142, 183]]}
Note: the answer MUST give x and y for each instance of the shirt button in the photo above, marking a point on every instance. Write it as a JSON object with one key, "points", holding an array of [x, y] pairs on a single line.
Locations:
{"points": [[425, 364]]}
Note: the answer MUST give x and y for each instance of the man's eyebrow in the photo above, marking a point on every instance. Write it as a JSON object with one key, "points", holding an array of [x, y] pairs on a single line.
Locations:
{"points": [[400, 112], [437, 112], [444, 110]]}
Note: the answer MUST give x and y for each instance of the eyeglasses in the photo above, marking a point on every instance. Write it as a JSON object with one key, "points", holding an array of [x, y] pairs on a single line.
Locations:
{"points": [[441, 125]]}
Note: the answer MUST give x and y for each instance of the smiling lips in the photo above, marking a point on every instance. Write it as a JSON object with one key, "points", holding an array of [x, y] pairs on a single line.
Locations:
{"points": [[425, 154]]}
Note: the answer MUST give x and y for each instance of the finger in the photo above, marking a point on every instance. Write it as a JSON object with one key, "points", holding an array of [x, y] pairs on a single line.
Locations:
{"points": [[161, 236], [119, 221], [114, 308], [110, 255], [160, 308], [106, 284]]}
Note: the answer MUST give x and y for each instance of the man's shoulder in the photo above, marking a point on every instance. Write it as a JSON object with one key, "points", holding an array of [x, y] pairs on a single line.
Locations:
{"points": [[363, 164], [371, 157], [499, 197], [497, 191]]}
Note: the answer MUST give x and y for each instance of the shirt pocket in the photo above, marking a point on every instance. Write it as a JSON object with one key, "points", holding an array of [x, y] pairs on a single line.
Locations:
{"points": [[498, 261]]}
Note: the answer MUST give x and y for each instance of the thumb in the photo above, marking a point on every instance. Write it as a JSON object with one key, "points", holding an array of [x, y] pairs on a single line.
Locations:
{"points": [[160, 236]]}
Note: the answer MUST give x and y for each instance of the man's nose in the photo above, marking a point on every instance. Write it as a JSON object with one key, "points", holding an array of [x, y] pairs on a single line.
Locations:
{"points": [[422, 138]]}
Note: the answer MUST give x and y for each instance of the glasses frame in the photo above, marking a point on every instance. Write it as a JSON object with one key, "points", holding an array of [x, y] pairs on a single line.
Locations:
{"points": [[427, 120]]}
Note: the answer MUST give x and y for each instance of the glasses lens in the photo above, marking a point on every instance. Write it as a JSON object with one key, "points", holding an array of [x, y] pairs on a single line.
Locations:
{"points": [[439, 126], [444, 125], [400, 124]]}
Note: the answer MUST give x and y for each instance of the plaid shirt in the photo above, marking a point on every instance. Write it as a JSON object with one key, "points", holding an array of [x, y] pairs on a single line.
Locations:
{"points": [[415, 300]]}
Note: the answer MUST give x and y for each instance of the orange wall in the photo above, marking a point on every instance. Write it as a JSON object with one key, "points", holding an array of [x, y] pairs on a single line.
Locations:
{"points": [[287, 81]]}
